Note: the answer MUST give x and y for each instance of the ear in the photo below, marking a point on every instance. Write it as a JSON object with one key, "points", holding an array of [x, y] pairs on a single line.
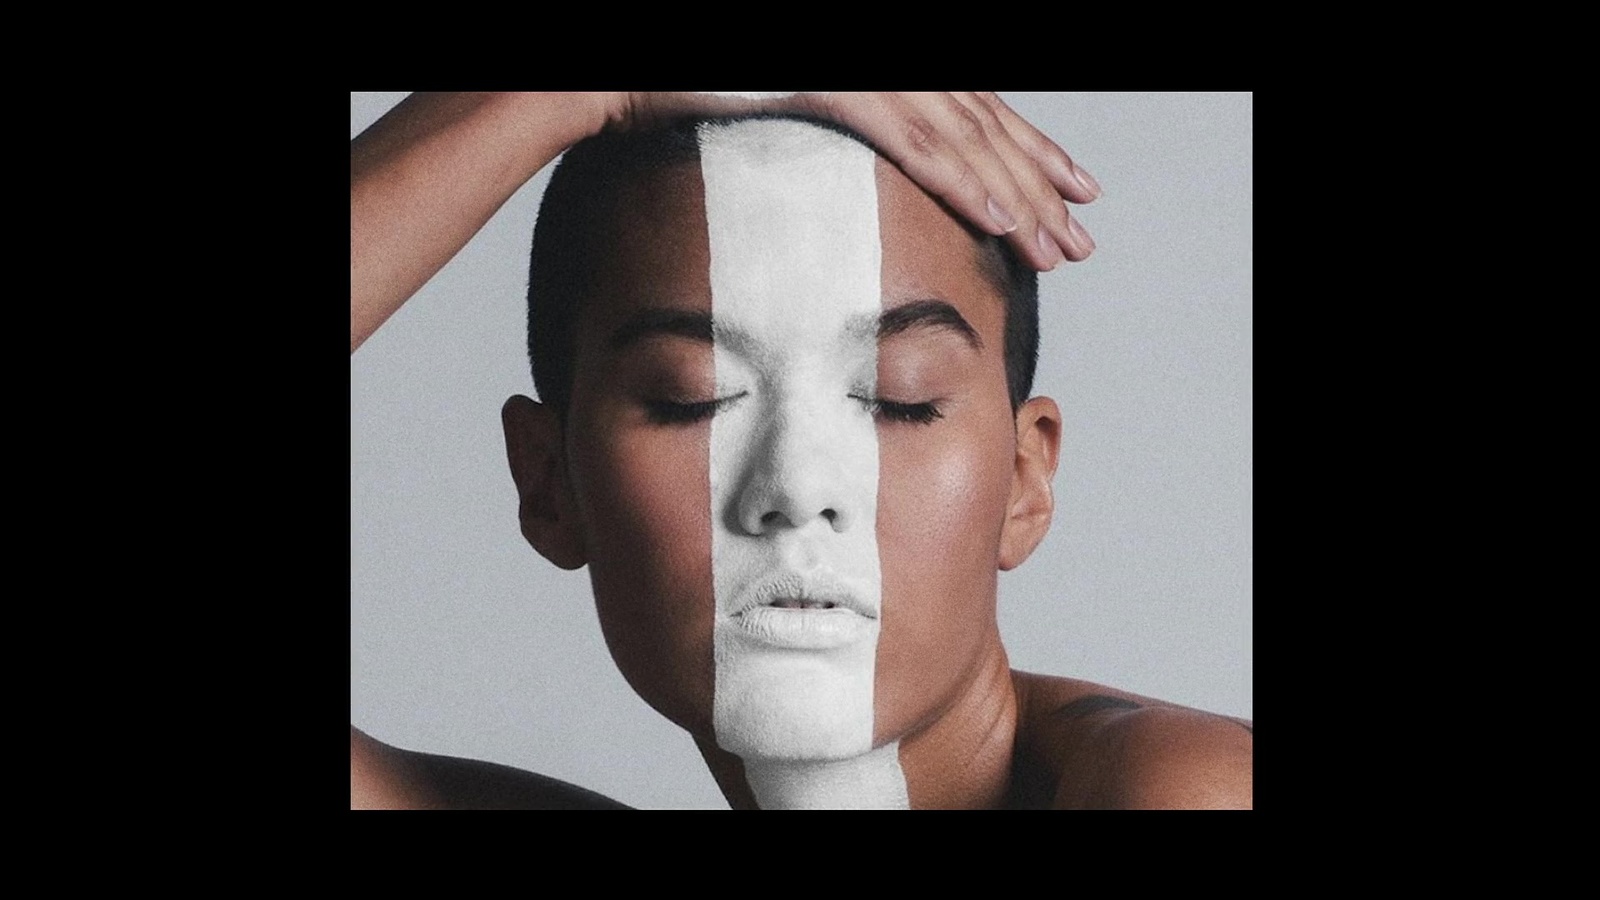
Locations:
{"points": [[534, 449], [1032, 501]]}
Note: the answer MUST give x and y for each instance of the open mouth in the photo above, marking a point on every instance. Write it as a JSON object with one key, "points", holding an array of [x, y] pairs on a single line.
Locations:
{"points": [[817, 591], [793, 603], [815, 610], [795, 623]]}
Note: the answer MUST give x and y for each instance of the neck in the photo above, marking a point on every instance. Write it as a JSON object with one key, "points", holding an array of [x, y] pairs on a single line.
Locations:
{"points": [[960, 760]]}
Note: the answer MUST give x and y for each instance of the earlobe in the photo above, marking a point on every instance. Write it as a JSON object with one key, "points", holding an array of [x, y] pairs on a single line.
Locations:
{"points": [[1032, 498], [538, 466]]}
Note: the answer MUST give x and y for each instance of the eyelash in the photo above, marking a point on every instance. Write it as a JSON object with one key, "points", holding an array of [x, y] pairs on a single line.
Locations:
{"points": [[908, 413], [670, 412]]}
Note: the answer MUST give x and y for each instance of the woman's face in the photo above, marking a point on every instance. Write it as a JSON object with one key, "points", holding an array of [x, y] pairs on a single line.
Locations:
{"points": [[793, 516]]}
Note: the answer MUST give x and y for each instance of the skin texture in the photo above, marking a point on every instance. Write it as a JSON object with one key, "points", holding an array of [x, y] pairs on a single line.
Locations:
{"points": [[429, 174], [635, 506], [968, 148], [955, 506], [1085, 746], [425, 177], [792, 220]]}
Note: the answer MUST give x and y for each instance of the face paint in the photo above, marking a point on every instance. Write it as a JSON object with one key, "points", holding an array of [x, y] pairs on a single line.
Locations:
{"points": [[750, 96], [792, 222]]}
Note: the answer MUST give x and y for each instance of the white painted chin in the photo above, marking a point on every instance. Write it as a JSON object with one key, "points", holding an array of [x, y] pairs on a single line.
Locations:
{"points": [[778, 703]]}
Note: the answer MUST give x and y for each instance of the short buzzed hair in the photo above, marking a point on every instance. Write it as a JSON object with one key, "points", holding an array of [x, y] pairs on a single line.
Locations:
{"points": [[562, 267]]}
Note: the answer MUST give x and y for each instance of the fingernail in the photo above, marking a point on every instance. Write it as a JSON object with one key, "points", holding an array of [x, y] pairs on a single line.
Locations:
{"points": [[1001, 217], [1087, 180], [1047, 246], [1085, 243]]}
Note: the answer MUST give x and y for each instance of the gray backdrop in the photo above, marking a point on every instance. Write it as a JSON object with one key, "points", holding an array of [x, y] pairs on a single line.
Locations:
{"points": [[464, 641]]}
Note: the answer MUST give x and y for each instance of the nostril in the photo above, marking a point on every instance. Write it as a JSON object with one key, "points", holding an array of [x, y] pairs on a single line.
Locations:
{"points": [[777, 518]]}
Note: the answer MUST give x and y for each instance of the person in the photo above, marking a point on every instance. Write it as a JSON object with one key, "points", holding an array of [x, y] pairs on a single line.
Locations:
{"points": [[604, 465]]}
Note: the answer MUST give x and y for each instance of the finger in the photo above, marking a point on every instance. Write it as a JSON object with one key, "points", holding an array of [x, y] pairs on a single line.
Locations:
{"points": [[1072, 180], [1055, 226], [983, 143], [949, 156], [916, 144]]}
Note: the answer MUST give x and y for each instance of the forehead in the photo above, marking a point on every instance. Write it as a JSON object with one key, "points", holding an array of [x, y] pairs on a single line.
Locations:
{"points": [[656, 252]]}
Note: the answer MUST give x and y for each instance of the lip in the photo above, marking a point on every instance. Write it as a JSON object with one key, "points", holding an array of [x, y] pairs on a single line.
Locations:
{"points": [[812, 611]]}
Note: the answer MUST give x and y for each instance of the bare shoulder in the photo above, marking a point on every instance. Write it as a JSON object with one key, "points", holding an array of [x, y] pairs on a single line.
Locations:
{"points": [[385, 777], [1174, 758], [1086, 746]]}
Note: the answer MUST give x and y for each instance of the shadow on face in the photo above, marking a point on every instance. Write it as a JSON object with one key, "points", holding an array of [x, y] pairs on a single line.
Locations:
{"points": [[634, 483]]}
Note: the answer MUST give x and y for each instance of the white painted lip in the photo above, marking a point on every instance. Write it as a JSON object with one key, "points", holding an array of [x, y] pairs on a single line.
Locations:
{"points": [[814, 611], [805, 629], [820, 586]]}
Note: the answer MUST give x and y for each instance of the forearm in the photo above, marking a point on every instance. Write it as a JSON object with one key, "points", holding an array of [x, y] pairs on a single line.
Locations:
{"points": [[427, 176]]}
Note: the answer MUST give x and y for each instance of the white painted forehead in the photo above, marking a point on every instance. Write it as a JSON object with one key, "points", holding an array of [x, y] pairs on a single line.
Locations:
{"points": [[775, 142], [792, 221]]}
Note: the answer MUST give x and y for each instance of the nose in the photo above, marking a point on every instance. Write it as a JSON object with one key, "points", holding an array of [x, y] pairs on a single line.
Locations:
{"points": [[803, 469]]}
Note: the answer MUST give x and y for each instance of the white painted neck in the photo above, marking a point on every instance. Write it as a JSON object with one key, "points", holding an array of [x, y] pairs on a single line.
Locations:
{"points": [[872, 780]]}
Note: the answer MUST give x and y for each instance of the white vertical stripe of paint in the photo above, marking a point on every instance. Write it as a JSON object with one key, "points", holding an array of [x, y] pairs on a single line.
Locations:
{"points": [[750, 96], [792, 221]]}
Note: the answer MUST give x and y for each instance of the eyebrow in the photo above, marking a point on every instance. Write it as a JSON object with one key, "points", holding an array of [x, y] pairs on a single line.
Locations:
{"points": [[659, 321], [699, 326], [927, 314]]}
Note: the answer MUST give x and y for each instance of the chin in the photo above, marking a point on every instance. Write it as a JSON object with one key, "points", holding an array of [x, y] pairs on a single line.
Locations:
{"points": [[786, 705]]}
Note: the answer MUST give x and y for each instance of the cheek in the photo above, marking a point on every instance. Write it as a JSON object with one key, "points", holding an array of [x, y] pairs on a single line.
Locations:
{"points": [[645, 501], [941, 502]]}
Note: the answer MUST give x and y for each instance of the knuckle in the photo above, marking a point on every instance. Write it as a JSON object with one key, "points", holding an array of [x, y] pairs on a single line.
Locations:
{"points": [[970, 127], [991, 122], [1058, 214], [921, 136], [965, 180], [1054, 213]]}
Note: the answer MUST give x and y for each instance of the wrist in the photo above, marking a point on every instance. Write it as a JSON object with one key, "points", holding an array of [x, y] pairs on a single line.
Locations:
{"points": [[563, 118], [533, 128]]}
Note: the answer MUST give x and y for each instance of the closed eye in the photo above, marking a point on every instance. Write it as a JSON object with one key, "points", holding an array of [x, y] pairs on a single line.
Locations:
{"points": [[672, 412], [896, 411]]}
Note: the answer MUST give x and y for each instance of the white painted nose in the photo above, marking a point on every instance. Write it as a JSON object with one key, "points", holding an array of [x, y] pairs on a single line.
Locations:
{"points": [[804, 468]]}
